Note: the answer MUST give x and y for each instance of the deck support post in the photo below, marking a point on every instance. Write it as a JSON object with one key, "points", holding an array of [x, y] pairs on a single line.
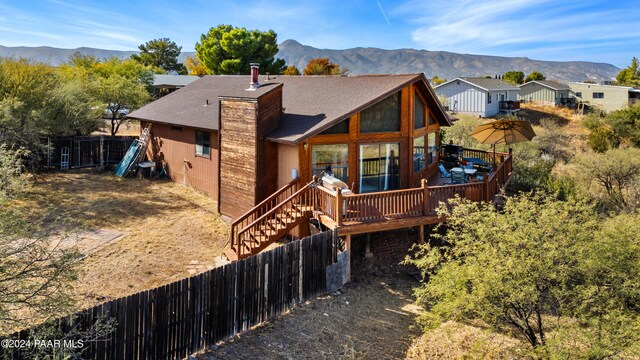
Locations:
{"points": [[425, 197], [421, 240], [347, 248], [485, 182], [367, 253]]}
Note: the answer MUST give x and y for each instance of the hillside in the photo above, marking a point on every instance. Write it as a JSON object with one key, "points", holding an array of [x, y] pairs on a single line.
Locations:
{"points": [[442, 63], [373, 60]]}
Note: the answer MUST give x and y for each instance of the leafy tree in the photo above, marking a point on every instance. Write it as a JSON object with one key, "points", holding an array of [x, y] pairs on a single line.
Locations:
{"points": [[37, 100], [630, 76], [625, 123], [226, 49], [34, 272], [291, 70], [513, 77], [195, 66], [129, 69], [120, 94], [534, 75], [538, 267], [160, 53], [115, 85], [620, 127], [602, 138], [612, 177], [323, 66], [437, 81], [11, 170]]}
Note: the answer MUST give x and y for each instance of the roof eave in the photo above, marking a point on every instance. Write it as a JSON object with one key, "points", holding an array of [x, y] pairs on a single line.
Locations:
{"points": [[170, 124]]}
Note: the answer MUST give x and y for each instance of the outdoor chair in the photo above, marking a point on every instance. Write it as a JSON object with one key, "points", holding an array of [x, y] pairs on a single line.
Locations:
{"points": [[458, 176], [443, 171]]}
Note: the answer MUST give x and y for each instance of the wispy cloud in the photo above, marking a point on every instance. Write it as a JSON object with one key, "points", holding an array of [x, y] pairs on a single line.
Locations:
{"points": [[382, 11], [510, 26]]}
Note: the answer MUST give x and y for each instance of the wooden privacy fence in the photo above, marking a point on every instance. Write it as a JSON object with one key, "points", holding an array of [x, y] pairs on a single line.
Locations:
{"points": [[88, 151], [178, 319]]}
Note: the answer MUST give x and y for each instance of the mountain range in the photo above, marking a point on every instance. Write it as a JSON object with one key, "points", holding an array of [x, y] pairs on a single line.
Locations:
{"points": [[377, 61]]}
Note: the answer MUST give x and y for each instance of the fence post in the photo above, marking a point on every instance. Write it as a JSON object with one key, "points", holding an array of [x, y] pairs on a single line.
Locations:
{"points": [[339, 206], [425, 197], [101, 152]]}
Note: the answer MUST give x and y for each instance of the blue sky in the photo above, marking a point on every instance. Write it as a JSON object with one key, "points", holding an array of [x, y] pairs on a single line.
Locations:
{"points": [[589, 30]]}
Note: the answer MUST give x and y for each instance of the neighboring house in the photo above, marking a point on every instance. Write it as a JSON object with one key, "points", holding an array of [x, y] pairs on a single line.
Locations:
{"points": [[606, 97], [547, 92], [165, 84], [479, 96]]}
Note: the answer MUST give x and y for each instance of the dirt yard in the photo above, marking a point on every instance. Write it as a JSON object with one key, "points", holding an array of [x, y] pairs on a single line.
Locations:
{"points": [[370, 319], [142, 233]]}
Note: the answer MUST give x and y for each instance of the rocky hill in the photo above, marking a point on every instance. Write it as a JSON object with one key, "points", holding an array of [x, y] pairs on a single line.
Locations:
{"points": [[378, 61]]}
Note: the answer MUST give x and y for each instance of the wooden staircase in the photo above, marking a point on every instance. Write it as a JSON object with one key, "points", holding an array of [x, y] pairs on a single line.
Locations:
{"points": [[270, 220]]}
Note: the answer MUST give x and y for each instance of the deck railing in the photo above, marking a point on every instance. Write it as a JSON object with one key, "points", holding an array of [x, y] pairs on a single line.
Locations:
{"points": [[509, 105], [387, 205]]}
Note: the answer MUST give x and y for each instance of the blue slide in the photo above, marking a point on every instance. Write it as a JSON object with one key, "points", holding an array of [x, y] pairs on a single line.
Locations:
{"points": [[129, 158]]}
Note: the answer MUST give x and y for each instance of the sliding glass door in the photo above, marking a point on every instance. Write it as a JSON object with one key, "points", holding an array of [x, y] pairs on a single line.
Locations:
{"points": [[379, 167]]}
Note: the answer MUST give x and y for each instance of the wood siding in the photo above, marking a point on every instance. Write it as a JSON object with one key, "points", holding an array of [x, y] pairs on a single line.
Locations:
{"points": [[175, 147], [287, 160], [541, 94], [465, 98], [269, 112], [238, 163]]}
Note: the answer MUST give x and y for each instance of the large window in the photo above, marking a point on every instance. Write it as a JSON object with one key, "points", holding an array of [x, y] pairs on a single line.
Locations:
{"points": [[333, 159], [418, 113], [419, 154], [432, 141], [379, 167], [382, 117], [203, 143], [340, 128]]}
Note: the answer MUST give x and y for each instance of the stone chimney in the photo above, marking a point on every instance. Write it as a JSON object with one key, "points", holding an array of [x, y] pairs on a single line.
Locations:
{"points": [[255, 71]]}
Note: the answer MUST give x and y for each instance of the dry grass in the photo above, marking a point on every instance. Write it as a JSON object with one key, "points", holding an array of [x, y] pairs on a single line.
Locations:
{"points": [[562, 116], [168, 227], [452, 340]]}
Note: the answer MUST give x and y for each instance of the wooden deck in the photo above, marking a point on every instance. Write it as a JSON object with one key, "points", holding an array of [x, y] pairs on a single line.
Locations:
{"points": [[360, 213], [379, 211]]}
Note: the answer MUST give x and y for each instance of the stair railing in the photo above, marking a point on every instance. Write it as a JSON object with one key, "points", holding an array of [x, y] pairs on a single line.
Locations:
{"points": [[246, 230]]}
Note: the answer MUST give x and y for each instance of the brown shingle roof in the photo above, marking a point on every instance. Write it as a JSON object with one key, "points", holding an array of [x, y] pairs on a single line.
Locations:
{"points": [[311, 103], [188, 105]]}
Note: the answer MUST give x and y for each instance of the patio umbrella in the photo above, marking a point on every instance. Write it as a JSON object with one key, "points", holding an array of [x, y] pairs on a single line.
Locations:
{"points": [[505, 132]]}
